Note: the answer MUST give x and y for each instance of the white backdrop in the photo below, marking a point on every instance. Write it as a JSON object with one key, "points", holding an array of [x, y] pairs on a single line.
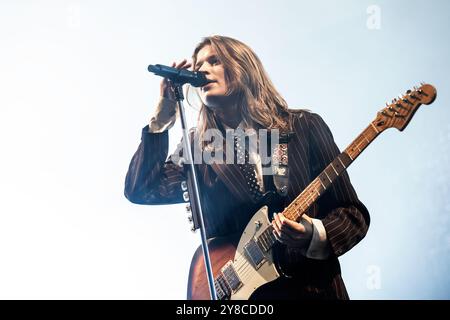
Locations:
{"points": [[75, 93]]}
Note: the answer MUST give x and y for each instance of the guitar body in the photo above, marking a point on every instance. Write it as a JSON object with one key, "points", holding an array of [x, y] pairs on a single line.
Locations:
{"points": [[243, 269]]}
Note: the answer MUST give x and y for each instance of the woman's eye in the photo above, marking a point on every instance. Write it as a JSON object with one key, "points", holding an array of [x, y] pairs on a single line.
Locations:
{"points": [[214, 61]]}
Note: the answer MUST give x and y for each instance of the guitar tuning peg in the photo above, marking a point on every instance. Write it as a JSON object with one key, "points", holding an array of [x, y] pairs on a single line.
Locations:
{"points": [[386, 114]]}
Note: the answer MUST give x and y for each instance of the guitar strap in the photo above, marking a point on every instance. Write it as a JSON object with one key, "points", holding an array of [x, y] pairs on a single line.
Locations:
{"points": [[280, 163]]}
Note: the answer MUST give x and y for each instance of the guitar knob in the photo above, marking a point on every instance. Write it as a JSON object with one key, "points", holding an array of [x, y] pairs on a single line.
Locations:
{"points": [[283, 190]]}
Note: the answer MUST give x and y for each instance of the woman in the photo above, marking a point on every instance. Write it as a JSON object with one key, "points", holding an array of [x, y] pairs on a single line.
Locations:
{"points": [[241, 95]]}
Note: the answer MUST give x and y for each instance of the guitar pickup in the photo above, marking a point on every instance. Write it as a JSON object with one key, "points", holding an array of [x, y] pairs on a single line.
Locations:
{"points": [[231, 277], [253, 251]]}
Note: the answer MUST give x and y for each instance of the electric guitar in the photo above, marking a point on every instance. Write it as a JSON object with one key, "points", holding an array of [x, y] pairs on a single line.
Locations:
{"points": [[243, 263]]}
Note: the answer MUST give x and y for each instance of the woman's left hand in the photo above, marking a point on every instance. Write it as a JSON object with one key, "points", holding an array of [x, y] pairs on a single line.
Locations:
{"points": [[291, 233]]}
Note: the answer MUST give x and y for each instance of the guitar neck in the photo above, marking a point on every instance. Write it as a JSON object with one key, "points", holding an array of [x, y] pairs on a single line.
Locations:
{"points": [[325, 179]]}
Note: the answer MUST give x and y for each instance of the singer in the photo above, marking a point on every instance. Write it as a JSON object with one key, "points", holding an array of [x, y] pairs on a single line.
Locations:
{"points": [[241, 95]]}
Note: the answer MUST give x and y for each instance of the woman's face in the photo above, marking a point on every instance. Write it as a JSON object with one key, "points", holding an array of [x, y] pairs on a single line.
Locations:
{"points": [[212, 94]]}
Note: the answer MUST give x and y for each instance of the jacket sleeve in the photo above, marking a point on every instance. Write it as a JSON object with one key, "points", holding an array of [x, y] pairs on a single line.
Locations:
{"points": [[152, 178], [345, 218]]}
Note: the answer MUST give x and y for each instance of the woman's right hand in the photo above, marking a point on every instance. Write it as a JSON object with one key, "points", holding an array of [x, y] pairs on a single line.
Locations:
{"points": [[166, 87]]}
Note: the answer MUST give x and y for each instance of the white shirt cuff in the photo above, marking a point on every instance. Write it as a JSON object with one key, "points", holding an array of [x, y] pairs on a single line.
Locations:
{"points": [[318, 248], [164, 117]]}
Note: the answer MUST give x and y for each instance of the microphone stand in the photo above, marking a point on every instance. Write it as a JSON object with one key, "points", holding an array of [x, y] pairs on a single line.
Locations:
{"points": [[196, 208]]}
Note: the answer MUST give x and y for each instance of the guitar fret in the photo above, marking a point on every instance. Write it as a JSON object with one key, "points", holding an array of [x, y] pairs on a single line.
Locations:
{"points": [[307, 203], [327, 176], [339, 158], [345, 159], [324, 188], [319, 187], [331, 173], [318, 193], [368, 141], [374, 128], [331, 164]]}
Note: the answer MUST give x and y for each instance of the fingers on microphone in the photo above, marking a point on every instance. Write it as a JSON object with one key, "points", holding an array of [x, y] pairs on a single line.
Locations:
{"points": [[183, 64]]}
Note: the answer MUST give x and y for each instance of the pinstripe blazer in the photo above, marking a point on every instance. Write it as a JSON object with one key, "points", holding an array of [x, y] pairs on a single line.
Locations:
{"points": [[154, 178]]}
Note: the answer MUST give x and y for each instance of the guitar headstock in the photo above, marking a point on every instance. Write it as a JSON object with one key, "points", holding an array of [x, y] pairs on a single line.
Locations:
{"points": [[401, 110]]}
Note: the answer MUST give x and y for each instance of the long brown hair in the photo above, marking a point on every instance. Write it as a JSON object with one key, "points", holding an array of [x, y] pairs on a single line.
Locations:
{"points": [[261, 104]]}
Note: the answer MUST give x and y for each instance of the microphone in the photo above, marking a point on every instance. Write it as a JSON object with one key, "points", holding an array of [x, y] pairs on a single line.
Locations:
{"points": [[180, 76]]}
